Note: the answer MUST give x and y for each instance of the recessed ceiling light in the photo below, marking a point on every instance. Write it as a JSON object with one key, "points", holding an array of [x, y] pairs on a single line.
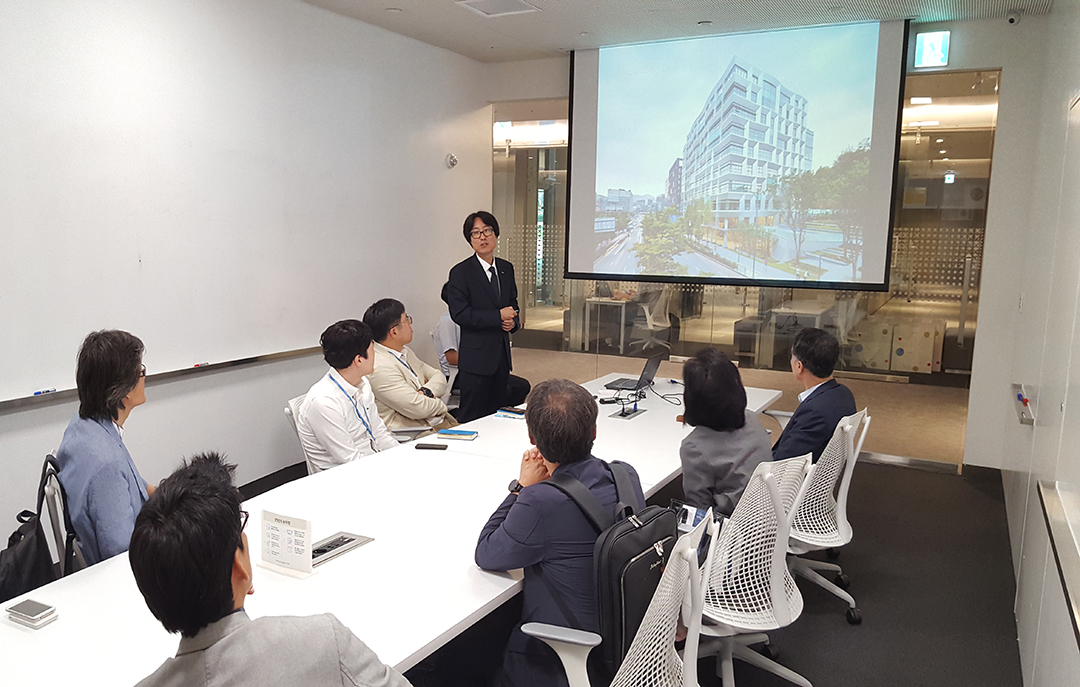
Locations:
{"points": [[393, 10], [704, 22], [943, 151], [921, 101], [945, 159], [584, 33], [939, 140]]}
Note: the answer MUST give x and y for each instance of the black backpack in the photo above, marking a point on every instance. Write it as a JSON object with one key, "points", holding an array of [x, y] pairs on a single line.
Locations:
{"points": [[26, 563], [628, 559]]}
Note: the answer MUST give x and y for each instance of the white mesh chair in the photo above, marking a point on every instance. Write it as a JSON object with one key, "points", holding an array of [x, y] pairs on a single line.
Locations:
{"points": [[656, 320], [821, 521], [291, 410], [65, 546], [749, 590], [651, 659]]}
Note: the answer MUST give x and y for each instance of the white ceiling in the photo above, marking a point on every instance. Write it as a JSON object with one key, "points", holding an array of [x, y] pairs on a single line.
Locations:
{"points": [[564, 25]]}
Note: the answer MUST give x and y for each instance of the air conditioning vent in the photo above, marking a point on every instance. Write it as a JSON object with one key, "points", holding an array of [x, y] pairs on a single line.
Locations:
{"points": [[498, 8]]}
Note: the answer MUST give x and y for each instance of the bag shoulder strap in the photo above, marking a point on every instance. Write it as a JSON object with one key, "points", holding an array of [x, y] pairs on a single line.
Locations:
{"points": [[580, 495], [624, 488]]}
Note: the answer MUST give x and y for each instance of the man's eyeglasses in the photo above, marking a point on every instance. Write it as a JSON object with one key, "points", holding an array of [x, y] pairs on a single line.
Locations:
{"points": [[243, 519], [142, 370], [483, 233]]}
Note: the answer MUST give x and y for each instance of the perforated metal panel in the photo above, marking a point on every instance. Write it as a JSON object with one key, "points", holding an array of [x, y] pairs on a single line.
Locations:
{"points": [[928, 262]]}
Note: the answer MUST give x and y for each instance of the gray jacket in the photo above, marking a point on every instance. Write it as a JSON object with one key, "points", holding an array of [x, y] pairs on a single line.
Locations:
{"points": [[717, 465], [311, 651]]}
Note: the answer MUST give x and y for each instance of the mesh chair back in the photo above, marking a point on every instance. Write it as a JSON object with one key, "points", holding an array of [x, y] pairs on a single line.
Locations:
{"points": [[819, 521], [749, 585], [291, 410], [652, 658]]}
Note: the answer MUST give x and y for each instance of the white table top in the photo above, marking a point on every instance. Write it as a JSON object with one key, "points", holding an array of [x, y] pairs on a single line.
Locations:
{"points": [[405, 594]]}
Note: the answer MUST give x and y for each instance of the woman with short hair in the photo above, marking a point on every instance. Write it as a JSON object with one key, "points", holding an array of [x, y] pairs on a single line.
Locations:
{"points": [[104, 488], [728, 441]]}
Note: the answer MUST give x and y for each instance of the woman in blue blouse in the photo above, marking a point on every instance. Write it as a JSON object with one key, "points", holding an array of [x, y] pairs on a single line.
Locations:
{"points": [[104, 488]]}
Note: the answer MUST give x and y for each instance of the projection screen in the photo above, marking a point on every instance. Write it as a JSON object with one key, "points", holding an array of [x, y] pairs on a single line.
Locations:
{"points": [[764, 158]]}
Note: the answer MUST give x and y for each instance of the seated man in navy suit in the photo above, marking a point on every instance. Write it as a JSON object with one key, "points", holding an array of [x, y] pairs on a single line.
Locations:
{"points": [[540, 529], [823, 403]]}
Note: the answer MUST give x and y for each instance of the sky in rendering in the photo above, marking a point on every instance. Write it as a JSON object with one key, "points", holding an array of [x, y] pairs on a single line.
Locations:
{"points": [[650, 95]]}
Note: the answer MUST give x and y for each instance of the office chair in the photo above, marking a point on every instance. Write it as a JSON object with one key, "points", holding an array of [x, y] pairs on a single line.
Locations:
{"points": [[652, 659], [655, 319], [749, 590], [68, 554], [821, 521]]}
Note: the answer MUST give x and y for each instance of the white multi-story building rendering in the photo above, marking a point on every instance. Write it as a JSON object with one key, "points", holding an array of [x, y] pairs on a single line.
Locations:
{"points": [[750, 134]]}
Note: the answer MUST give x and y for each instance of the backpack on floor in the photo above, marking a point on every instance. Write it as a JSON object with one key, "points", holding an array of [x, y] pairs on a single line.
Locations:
{"points": [[26, 563], [630, 554]]}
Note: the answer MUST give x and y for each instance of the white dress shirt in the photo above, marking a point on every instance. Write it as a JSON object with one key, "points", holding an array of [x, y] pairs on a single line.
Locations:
{"points": [[805, 394], [447, 338], [330, 426]]}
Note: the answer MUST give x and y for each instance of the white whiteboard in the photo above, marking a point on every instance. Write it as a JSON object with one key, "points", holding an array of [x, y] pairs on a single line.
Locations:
{"points": [[221, 179]]}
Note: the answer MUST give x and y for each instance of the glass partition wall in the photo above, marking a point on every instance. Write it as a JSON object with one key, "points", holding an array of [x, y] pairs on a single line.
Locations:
{"points": [[921, 330]]}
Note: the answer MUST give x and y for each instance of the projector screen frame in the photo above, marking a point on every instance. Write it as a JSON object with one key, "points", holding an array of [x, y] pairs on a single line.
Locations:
{"points": [[748, 281]]}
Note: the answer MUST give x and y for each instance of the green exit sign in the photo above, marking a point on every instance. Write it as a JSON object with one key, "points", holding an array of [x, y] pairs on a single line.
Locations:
{"points": [[932, 49]]}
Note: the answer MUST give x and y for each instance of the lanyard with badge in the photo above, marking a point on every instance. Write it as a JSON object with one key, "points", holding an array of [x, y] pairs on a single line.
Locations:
{"points": [[362, 416]]}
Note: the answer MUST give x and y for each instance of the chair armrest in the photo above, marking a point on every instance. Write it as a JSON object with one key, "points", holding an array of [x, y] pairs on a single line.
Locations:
{"points": [[561, 634], [781, 416]]}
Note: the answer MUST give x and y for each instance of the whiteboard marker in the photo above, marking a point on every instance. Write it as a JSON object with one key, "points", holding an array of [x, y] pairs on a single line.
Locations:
{"points": [[44, 391], [201, 364]]}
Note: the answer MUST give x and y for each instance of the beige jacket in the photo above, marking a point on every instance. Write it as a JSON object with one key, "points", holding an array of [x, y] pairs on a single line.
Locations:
{"points": [[396, 390]]}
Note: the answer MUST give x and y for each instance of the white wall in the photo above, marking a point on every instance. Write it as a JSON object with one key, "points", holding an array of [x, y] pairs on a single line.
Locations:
{"points": [[1027, 308], [427, 103]]}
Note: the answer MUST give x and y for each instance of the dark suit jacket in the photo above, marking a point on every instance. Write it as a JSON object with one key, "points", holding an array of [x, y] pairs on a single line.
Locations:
{"points": [[542, 527], [475, 305], [815, 420]]}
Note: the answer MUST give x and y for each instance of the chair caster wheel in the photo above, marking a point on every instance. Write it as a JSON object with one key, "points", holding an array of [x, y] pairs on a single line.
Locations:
{"points": [[833, 554], [854, 617], [842, 581], [769, 651]]}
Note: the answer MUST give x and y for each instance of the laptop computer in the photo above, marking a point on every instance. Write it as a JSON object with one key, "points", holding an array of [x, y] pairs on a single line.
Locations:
{"points": [[647, 374]]}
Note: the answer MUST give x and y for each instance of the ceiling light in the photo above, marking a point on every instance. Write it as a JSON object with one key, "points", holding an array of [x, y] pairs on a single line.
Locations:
{"points": [[940, 140], [944, 159], [584, 33], [498, 8], [921, 101], [704, 22], [943, 151], [393, 10]]}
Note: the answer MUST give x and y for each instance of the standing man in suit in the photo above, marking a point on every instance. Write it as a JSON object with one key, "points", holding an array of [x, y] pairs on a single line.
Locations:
{"points": [[482, 296], [191, 561], [824, 400]]}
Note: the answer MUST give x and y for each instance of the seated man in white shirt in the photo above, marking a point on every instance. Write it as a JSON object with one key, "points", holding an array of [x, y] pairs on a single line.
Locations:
{"points": [[407, 390], [338, 420]]}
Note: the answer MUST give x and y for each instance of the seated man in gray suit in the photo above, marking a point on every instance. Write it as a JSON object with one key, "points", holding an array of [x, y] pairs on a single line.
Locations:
{"points": [[823, 402], [190, 559]]}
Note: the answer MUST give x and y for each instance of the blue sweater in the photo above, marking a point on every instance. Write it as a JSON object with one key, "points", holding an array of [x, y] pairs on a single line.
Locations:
{"points": [[104, 488]]}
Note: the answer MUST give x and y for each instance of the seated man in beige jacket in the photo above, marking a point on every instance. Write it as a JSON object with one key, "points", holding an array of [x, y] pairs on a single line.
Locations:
{"points": [[407, 390]]}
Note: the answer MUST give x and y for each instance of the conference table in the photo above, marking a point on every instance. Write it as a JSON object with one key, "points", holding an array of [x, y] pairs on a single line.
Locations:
{"points": [[405, 594]]}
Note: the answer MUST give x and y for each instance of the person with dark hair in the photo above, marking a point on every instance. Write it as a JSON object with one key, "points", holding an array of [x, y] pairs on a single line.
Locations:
{"points": [[190, 558], [823, 402], [338, 420], [408, 391], [540, 529], [482, 296], [447, 343], [104, 488], [728, 441]]}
